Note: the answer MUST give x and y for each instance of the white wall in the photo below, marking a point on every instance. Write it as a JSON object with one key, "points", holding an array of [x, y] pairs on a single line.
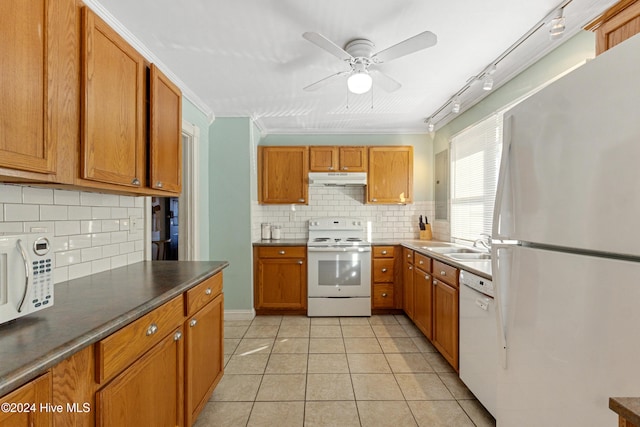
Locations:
{"points": [[91, 230]]}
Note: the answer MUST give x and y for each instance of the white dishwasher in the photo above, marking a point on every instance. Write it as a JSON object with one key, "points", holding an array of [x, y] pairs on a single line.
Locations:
{"points": [[478, 338]]}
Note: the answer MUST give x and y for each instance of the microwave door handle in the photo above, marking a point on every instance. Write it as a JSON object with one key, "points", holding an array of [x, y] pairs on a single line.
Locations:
{"points": [[23, 252]]}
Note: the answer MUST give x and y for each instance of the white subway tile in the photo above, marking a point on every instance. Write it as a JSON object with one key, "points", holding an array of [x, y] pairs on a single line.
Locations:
{"points": [[127, 201], [139, 202], [100, 265], [38, 226], [67, 258], [111, 250], [117, 213], [118, 261], [11, 227], [60, 274], [37, 196], [91, 199], [90, 226], [60, 244], [79, 241], [65, 197], [79, 212], [79, 270], [135, 257], [10, 193], [118, 236], [91, 254], [139, 245], [110, 225], [14, 212], [137, 212], [100, 239], [66, 228], [127, 247], [53, 213], [124, 224], [1, 212], [110, 200], [100, 213]]}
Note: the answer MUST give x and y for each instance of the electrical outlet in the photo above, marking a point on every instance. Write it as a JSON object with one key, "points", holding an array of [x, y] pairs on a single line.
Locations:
{"points": [[133, 224]]}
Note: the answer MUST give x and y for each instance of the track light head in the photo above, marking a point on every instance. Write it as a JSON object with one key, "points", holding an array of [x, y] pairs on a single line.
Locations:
{"points": [[556, 25]]}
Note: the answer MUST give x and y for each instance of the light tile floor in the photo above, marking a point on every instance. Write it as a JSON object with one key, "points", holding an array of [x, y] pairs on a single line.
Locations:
{"points": [[349, 371]]}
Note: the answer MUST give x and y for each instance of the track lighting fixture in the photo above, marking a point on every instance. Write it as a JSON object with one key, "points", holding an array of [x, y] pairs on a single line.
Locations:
{"points": [[430, 126], [556, 25], [487, 80], [455, 106]]}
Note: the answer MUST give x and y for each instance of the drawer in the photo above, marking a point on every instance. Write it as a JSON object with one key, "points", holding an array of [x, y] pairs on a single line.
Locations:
{"points": [[282, 252], [407, 255], [445, 273], [383, 270], [383, 296], [200, 295], [422, 262], [117, 351], [383, 251]]}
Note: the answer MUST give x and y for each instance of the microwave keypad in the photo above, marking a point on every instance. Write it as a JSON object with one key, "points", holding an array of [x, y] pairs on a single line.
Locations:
{"points": [[42, 294]]}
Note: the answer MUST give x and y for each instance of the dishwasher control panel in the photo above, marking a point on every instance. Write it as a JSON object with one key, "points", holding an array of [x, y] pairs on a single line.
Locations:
{"points": [[476, 282]]}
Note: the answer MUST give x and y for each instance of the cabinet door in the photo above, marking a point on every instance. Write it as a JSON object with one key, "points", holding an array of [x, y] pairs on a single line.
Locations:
{"points": [[29, 396], [445, 321], [617, 24], [323, 159], [165, 138], [38, 109], [281, 284], [112, 106], [149, 392], [423, 302], [283, 175], [408, 289], [204, 356], [353, 159], [390, 176]]}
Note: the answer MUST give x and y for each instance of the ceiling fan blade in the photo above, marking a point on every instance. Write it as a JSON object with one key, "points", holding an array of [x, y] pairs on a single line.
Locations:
{"points": [[324, 82], [326, 44], [410, 45], [384, 81]]}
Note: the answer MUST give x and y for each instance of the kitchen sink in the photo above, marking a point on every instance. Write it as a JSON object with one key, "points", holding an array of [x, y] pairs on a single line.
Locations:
{"points": [[469, 256], [451, 250]]}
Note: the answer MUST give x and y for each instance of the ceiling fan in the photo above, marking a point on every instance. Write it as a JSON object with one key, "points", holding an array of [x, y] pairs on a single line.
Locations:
{"points": [[358, 54]]}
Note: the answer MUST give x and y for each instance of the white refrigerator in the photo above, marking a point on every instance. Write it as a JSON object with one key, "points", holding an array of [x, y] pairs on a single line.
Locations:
{"points": [[566, 252]]}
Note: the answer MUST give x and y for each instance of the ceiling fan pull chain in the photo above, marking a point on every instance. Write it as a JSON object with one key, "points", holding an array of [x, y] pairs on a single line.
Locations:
{"points": [[372, 97]]}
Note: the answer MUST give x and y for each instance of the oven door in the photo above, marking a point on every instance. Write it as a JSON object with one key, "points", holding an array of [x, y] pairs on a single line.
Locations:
{"points": [[339, 272]]}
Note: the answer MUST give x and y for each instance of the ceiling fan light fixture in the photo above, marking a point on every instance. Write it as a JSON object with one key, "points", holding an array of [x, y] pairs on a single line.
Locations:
{"points": [[556, 25], [359, 82]]}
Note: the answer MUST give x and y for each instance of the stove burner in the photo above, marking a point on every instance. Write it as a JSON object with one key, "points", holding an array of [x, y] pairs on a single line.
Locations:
{"points": [[354, 239]]}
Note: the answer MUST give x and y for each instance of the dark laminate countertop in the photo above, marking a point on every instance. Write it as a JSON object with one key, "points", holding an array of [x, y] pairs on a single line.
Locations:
{"points": [[626, 407], [86, 310]]}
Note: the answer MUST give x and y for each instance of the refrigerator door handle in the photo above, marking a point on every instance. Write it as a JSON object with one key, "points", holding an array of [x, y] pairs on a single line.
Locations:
{"points": [[499, 268], [498, 217]]}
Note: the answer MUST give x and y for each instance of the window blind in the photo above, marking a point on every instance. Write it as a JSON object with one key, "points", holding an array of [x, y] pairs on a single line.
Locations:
{"points": [[475, 162]]}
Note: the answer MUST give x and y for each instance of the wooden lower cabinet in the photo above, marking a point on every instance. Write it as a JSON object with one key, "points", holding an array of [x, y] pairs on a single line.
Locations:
{"points": [[149, 392], [408, 289], [445, 321], [386, 286], [423, 302], [280, 278], [30, 396], [204, 362]]}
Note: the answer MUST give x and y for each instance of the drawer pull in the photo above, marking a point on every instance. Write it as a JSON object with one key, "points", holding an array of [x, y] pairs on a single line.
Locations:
{"points": [[384, 295], [408, 255], [207, 291], [152, 329], [426, 277], [384, 252], [300, 262], [411, 267], [281, 252], [435, 282], [177, 336], [301, 200], [421, 262], [330, 168], [443, 273], [374, 200], [193, 322], [344, 168], [384, 270]]}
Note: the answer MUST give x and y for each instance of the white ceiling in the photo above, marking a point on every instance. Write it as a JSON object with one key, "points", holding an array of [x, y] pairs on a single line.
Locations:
{"points": [[248, 57]]}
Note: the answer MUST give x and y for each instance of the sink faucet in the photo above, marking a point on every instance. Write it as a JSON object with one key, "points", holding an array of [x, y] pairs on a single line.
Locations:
{"points": [[484, 241]]}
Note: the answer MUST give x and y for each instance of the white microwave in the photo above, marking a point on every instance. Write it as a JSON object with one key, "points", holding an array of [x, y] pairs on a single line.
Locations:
{"points": [[26, 274]]}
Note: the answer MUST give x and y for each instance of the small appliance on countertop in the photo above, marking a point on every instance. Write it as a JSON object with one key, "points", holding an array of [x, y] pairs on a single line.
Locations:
{"points": [[26, 274]]}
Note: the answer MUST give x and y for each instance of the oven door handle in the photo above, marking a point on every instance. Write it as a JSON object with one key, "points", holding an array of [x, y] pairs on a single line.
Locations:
{"points": [[339, 249]]}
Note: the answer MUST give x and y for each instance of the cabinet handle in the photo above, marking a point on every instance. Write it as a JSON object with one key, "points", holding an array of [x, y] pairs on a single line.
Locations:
{"points": [[177, 336], [300, 262], [159, 184], [301, 200], [426, 277], [443, 273], [421, 262], [374, 200], [344, 168], [330, 168], [408, 255], [435, 282], [384, 295], [135, 181], [411, 267], [193, 322], [384, 270], [152, 329], [281, 252], [207, 291], [384, 252]]}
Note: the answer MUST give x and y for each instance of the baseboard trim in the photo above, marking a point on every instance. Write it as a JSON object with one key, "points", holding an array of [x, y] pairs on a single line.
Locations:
{"points": [[239, 314]]}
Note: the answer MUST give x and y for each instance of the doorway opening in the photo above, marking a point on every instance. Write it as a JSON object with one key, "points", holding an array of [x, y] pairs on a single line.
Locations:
{"points": [[165, 220]]}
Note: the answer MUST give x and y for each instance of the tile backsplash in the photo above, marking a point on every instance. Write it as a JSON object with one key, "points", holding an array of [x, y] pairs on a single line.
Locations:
{"points": [[91, 231], [387, 221]]}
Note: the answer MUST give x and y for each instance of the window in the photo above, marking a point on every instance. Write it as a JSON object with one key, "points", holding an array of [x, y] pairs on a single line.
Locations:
{"points": [[475, 162]]}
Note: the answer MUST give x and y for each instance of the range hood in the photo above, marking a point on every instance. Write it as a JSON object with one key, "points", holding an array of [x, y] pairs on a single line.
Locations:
{"points": [[337, 178]]}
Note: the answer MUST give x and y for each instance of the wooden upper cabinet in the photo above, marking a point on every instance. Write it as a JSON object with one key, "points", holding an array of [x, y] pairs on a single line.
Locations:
{"points": [[334, 159], [38, 106], [283, 175], [165, 145], [390, 177], [617, 24], [113, 146]]}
